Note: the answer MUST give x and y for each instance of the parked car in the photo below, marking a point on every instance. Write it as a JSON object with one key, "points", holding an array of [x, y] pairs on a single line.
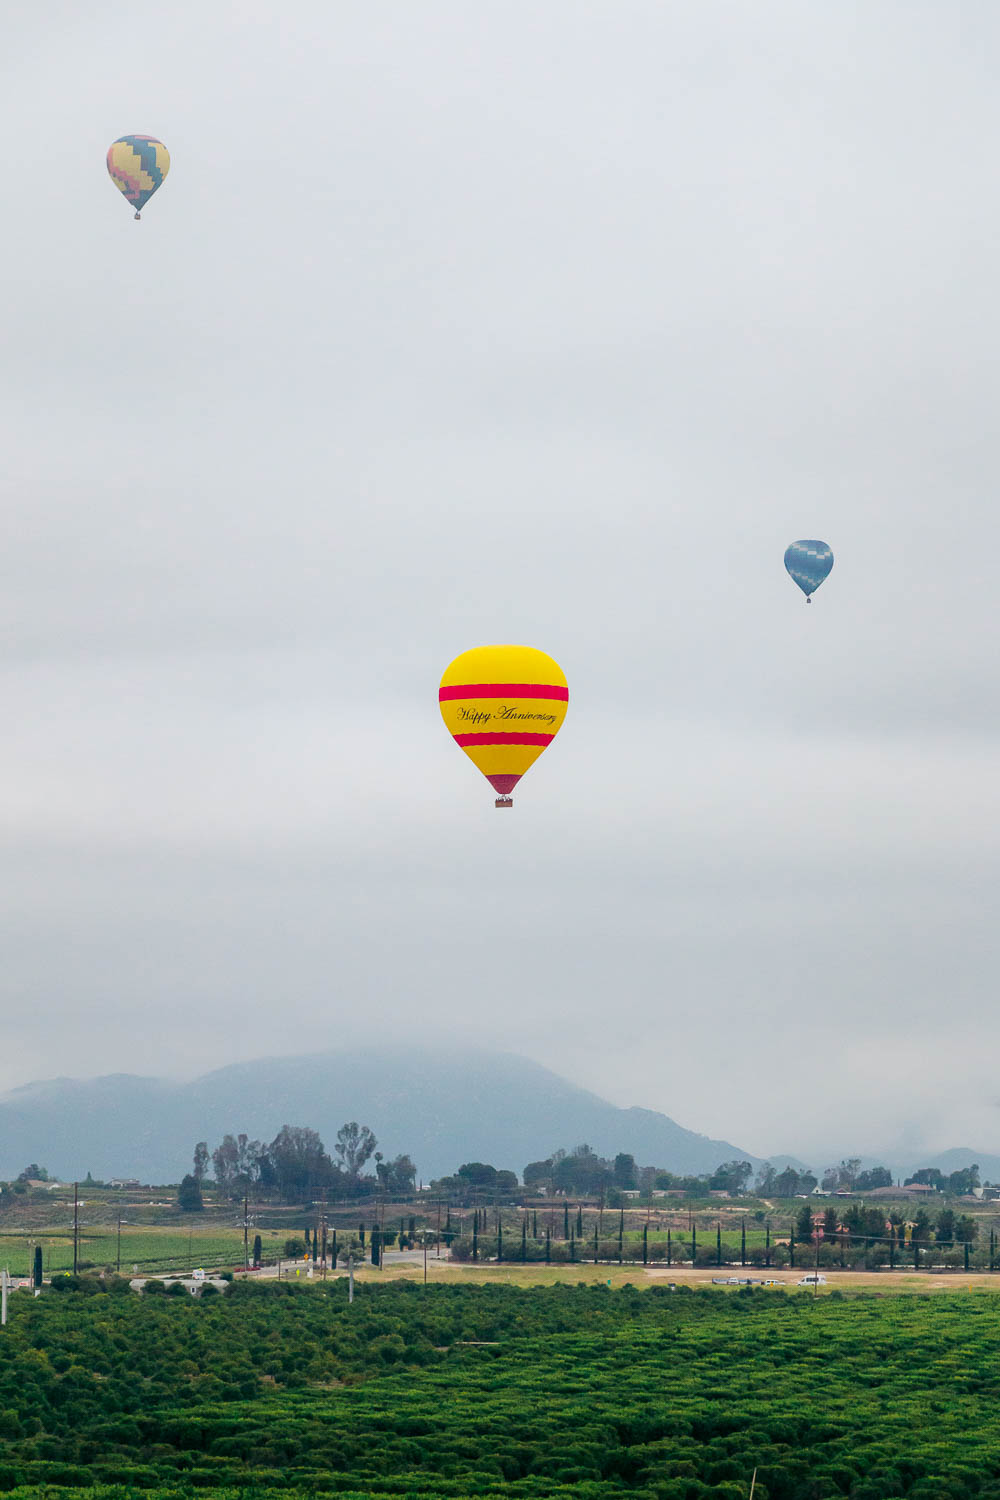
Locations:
{"points": [[811, 1280]]}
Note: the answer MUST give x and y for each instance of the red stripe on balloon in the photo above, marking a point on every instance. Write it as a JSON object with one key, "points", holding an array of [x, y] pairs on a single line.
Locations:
{"points": [[502, 690], [502, 739]]}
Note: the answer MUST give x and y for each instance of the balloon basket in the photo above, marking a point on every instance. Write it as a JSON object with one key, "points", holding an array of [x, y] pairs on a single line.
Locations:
{"points": [[138, 216], [505, 802]]}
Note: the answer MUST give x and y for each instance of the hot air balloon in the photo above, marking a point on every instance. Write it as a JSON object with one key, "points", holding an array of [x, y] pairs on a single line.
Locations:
{"points": [[138, 164], [808, 563], [503, 705]]}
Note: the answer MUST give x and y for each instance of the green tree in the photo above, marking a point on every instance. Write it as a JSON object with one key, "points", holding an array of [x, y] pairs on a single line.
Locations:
{"points": [[875, 1177], [961, 1183], [731, 1177], [625, 1173], [33, 1173], [200, 1166], [354, 1146], [301, 1164], [944, 1231], [920, 1228], [966, 1229], [927, 1177], [189, 1199], [786, 1184]]}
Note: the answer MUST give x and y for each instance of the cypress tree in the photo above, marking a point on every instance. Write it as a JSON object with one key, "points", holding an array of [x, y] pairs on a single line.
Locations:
{"points": [[499, 1240], [258, 1250], [475, 1237], [669, 1250], [892, 1247], [767, 1243], [791, 1245], [645, 1244], [743, 1242], [565, 1221], [534, 1223], [447, 1221], [718, 1243], [621, 1235], [596, 1246], [572, 1248], [524, 1239], [361, 1234], [376, 1246], [36, 1274], [694, 1242], [548, 1246], [333, 1247], [579, 1221], [965, 1248]]}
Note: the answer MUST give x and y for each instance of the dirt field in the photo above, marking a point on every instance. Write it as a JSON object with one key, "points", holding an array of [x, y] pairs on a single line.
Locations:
{"points": [[639, 1276]]}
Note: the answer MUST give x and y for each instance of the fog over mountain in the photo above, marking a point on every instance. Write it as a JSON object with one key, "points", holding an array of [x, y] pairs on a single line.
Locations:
{"points": [[442, 1108]]}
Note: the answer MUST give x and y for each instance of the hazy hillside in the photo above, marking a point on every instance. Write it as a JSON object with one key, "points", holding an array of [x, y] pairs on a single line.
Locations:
{"points": [[441, 1108]]}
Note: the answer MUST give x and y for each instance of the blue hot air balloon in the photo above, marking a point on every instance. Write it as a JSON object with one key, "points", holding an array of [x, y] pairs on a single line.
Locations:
{"points": [[808, 563]]}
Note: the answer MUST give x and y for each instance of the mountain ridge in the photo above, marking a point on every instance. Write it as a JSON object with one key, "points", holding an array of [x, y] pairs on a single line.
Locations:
{"points": [[440, 1107], [443, 1107]]}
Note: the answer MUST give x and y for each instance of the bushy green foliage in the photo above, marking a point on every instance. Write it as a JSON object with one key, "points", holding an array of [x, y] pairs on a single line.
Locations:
{"points": [[499, 1391]]}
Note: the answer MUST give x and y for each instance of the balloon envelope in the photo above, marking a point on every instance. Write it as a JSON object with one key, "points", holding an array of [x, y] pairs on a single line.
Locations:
{"points": [[503, 705], [808, 563], [138, 164]]}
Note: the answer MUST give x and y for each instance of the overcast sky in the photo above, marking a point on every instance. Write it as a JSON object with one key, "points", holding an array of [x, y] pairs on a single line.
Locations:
{"points": [[542, 322]]}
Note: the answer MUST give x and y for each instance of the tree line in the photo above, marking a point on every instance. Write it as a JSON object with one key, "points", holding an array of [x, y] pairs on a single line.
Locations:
{"points": [[296, 1167]]}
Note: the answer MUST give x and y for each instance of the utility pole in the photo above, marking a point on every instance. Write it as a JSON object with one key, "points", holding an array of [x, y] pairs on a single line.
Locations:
{"points": [[246, 1231], [4, 1278], [76, 1225], [118, 1256]]}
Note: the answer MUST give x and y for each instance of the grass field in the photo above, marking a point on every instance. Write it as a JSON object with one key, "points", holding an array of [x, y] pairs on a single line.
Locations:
{"points": [[147, 1249]]}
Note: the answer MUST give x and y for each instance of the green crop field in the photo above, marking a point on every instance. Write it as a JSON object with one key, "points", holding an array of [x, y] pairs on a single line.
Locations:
{"points": [[459, 1390], [148, 1249]]}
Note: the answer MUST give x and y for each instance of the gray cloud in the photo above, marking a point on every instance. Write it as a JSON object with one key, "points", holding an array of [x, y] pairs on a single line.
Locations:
{"points": [[456, 324]]}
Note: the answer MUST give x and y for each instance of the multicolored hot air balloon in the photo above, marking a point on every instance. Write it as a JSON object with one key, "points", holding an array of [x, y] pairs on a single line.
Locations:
{"points": [[808, 563], [138, 164], [503, 705]]}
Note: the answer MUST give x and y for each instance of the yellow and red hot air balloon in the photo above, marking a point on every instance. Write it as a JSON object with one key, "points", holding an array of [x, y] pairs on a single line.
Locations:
{"points": [[503, 705]]}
